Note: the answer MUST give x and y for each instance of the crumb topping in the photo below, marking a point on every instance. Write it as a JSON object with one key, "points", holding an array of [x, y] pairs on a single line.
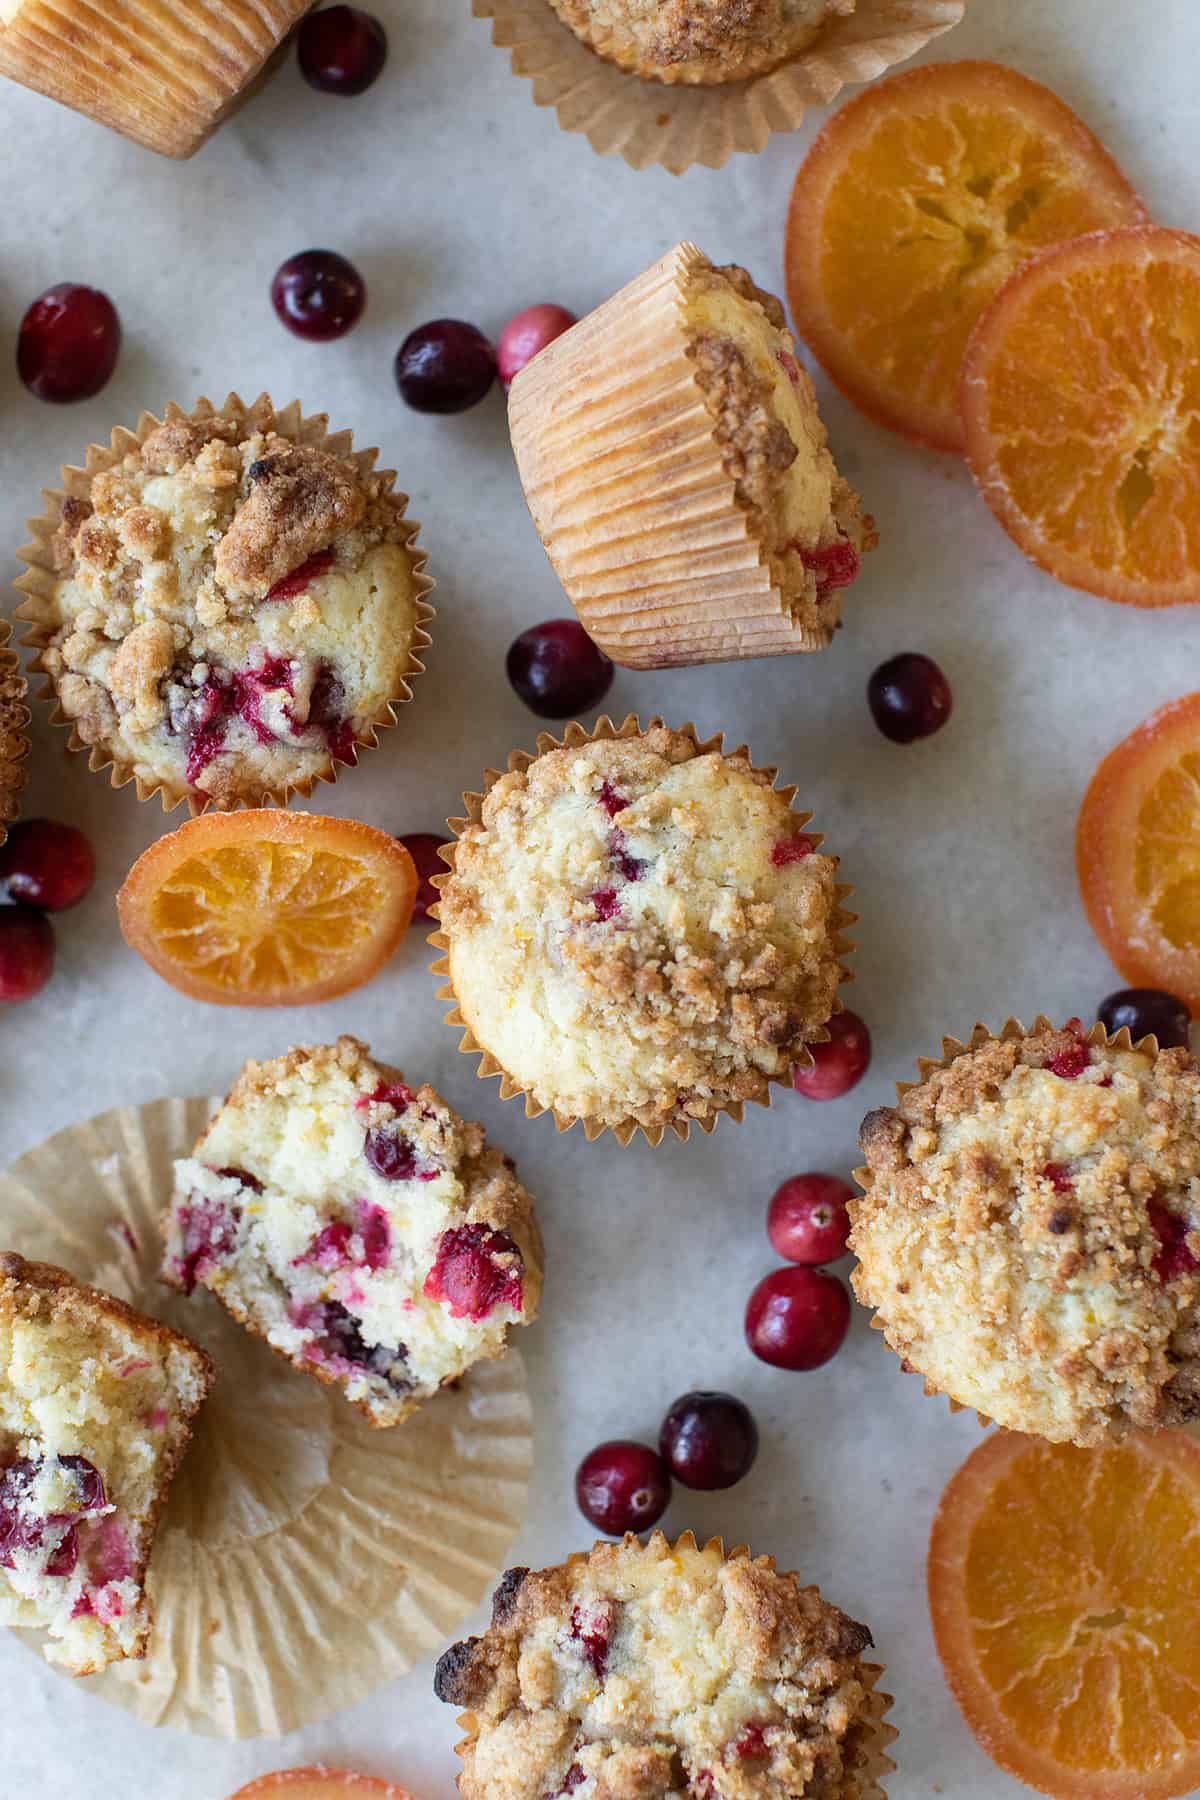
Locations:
{"points": [[699, 40]]}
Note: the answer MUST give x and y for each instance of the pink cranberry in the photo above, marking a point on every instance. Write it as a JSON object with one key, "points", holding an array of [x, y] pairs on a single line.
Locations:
{"points": [[606, 904], [474, 1271], [557, 670], [909, 697], [838, 1065], [208, 1232], [792, 849], [528, 332], [330, 1249], [835, 566], [1145, 1011], [423, 847], [708, 1440], [374, 1228], [26, 952], [796, 1318], [46, 865], [68, 343], [445, 366], [807, 1221], [318, 294], [622, 1486], [341, 50], [1174, 1257]]}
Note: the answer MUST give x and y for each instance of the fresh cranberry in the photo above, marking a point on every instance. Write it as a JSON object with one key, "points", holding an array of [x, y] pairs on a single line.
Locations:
{"points": [[68, 343], [318, 294], [26, 952], [708, 1440], [835, 566], [528, 332], [838, 1065], [445, 366], [1147, 1011], [796, 1318], [301, 578], [909, 697], [423, 847], [341, 50], [475, 1270], [557, 670], [807, 1221], [1174, 1257], [622, 1486], [46, 865]]}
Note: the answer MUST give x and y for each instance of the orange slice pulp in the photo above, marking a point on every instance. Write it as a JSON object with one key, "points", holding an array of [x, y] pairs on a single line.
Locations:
{"points": [[1064, 1586], [913, 207], [319, 1783], [268, 908]]}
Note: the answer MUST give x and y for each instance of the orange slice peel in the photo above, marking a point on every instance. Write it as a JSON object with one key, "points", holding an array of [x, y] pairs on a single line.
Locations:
{"points": [[320, 1783]]}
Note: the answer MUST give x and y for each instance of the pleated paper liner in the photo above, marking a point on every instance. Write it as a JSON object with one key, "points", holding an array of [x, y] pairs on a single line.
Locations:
{"points": [[162, 72], [624, 1130], [675, 125], [628, 487], [14, 726], [41, 578], [303, 1559]]}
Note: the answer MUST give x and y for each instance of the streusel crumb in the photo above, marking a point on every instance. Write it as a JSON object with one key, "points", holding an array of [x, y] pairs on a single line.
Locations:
{"points": [[699, 40]]}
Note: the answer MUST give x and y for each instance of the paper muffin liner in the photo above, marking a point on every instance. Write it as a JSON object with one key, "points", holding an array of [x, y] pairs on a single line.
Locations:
{"points": [[675, 125], [14, 725], [624, 1130], [41, 578], [629, 490], [162, 72], [260, 1629]]}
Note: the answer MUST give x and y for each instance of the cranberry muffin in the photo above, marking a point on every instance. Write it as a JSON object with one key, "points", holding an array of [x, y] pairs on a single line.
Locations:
{"points": [[641, 1669], [699, 41], [1029, 1234], [369, 1234]]}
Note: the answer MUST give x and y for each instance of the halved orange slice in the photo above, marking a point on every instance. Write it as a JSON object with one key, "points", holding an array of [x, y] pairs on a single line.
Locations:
{"points": [[911, 210], [1081, 405], [1137, 851], [1064, 1586], [268, 908], [320, 1783]]}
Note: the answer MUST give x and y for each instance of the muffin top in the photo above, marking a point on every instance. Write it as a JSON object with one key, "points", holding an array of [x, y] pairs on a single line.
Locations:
{"points": [[698, 40], [233, 609], [1030, 1233], [639, 929], [649, 1669]]}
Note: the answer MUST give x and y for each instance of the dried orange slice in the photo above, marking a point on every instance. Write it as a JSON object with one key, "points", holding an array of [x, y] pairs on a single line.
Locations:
{"points": [[320, 1783], [268, 908], [1080, 396], [1137, 850], [1065, 1589], [913, 207]]}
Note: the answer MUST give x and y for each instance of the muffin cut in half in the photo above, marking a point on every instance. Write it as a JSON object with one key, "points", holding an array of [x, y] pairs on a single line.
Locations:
{"points": [[1029, 1233], [96, 1404], [651, 1669], [370, 1235], [705, 41]]}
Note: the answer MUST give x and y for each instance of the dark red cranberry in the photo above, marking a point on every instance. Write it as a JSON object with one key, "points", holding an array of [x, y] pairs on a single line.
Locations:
{"points": [[46, 865], [622, 1486], [838, 1065], [341, 50], [807, 1221], [26, 952], [528, 332], [1145, 1011], [708, 1440], [339, 1336], [475, 1270], [557, 670], [318, 294], [423, 847], [796, 1318], [68, 343], [393, 1157], [445, 366], [909, 697], [1060, 1178], [208, 1231], [1070, 1064], [327, 713], [1174, 1257], [244, 1178], [791, 849], [606, 904]]}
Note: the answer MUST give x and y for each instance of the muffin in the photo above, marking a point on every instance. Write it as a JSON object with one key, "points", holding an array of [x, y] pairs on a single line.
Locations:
{"points": [[679, 474], [370, 1235], [14, 722], [639, 931], [703, 41], [227, 605], [652, 1669], [1029, 1233], [96, 1404]]}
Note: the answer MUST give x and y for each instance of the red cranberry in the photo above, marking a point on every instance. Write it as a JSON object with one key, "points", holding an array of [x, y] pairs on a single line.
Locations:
{"points": [[909, 697], [807, 1221], [1174, 1257], [557, 670], [622, 1486], [45, 864], [796, 1318], [26, 952], [1146, 1010], [341, 50], [476, 1270], [318, 294], [445, 366], [838, 1065], [393, 1157], [835, 565], [528, 332], [708, 1440], [423, 847], [68, 343]]}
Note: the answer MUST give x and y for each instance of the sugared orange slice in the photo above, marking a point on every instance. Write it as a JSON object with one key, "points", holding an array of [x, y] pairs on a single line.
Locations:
{"points": [[1081, 406], [268, 908], [913, 207], [1137, 850], [1064, 1586], [319, 1783]]}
